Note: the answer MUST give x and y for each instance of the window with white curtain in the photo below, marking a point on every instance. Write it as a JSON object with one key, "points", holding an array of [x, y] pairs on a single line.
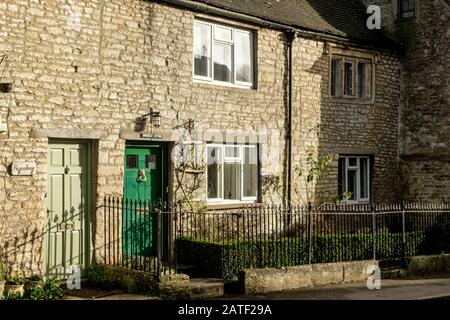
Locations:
{"points": [[222, 54], [232, 173]]}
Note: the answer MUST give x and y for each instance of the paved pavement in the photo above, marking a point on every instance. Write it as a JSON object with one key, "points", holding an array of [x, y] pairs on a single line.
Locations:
{"points": [[98, 294], [420, 288], [428, 287]]}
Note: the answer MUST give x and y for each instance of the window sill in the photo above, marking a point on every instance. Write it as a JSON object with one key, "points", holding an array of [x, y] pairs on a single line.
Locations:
{"points": [[351, 100], [234, 205], [222, 84], [406, 19]]}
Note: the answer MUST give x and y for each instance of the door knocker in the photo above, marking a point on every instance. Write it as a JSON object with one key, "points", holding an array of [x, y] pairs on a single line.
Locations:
{"points": [[141, 176]]}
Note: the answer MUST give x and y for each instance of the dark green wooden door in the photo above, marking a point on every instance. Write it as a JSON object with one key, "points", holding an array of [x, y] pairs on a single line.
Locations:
{"points": [[143, 186]]}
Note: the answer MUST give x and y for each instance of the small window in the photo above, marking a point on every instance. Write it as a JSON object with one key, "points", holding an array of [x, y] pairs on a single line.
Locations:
{"points": [[232, 173], [150, 161], [222, 54], [351, 77], [132, 161], [406, 8], [354, 178]]}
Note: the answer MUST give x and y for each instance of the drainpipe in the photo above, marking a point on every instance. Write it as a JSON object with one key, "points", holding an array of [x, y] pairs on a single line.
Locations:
{"points": [[290, 36]]}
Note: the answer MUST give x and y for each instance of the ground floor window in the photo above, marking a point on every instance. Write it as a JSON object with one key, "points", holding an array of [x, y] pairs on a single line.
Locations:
{"points": [[354, 178], [232, 173]]}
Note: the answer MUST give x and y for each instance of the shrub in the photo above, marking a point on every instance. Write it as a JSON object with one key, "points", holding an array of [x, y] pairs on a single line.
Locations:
{"points": [[226, 259], [51, 290], [114, 277]]}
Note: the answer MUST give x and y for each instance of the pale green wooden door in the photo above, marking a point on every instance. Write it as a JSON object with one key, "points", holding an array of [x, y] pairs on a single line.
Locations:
{"points": [[67, 235]]}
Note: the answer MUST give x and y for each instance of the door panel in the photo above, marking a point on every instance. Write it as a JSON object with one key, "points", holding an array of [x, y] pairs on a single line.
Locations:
{"points": [[139, 228], [67, 209]]}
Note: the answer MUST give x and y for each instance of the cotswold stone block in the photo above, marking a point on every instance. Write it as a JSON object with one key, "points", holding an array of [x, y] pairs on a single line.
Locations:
{"points": [[327, 273], [268, 280]]}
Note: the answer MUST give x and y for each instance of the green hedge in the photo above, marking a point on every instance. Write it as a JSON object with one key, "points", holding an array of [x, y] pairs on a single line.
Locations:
{"points": [[226, 259]]}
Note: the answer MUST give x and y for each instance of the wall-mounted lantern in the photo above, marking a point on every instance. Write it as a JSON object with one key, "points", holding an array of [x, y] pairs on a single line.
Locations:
{"points": [[155, 118]]}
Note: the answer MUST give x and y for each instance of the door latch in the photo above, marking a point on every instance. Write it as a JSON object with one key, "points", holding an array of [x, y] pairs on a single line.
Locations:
{"points": [[66, 170]]}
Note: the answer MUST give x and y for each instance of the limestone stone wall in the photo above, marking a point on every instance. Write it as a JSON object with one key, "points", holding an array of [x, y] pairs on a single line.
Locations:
{"points": [[425, 97], [90, 71]]}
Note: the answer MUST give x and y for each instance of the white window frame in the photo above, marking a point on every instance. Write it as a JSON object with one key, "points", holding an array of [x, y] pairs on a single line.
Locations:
{"points": [[357, 168], [225, 159], [234, 83]]}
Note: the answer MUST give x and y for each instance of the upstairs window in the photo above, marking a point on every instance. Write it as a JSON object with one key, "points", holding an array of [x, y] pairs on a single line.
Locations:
{"points": [[222, 54], [351, 77], [406, 8]]}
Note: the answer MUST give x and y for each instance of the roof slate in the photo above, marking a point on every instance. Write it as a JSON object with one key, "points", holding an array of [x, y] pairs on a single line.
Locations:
{"points": [[342, 18]]}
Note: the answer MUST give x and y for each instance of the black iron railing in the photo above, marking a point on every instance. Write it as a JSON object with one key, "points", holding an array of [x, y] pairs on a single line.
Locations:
{"points": [[163, 238]]}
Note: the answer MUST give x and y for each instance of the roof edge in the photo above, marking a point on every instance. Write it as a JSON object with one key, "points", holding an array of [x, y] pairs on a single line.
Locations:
{"points": [[307, 33]]}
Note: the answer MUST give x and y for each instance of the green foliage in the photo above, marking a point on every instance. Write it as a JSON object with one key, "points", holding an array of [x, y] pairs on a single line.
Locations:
{"points": [[11, 296], [15, 279], [309, 172], [2, 268], [35, 278], [51, 290], [340, 199], [119, 278], [225, 260]]}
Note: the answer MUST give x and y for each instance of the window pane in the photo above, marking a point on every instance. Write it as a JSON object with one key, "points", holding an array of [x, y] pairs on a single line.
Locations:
{"points": [[352, 162], [202, 50], [232, 181], [348, 79], [132, 161], [222, 62], [231, 152], [214, 172], [243, 56], [364, 163], [362, 80], [368, 80], [407, 8], [351, 182], [341, 178], [150, 161], [335, 77], [250, 172], [223, 34]]}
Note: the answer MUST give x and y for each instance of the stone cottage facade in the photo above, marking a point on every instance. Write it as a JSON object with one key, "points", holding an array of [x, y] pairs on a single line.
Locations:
{"points": [[423, 29], [108, 94]]}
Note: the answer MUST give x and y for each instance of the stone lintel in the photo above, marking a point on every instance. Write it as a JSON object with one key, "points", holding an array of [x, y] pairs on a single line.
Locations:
{"points": [[356, 150], [68, 133]]}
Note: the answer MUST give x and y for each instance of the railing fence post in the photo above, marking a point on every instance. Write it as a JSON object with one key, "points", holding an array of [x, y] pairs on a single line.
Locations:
{"points": [[310, 232], [374, 232], [159, 245], [403, 232]]}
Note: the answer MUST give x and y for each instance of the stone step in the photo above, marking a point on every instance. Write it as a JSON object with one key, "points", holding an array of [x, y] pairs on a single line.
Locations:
{"points": [[206, 288]]}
